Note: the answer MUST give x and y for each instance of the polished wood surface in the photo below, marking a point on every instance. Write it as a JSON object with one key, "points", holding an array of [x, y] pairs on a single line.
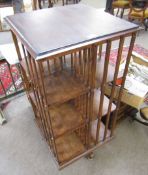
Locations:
{"points": [[68, 108], [39, 30], [62, 87]]}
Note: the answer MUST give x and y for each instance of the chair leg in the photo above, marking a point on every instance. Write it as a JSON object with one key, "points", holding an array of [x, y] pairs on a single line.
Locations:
{"points": [[1, 26], [122, 13], [63, 3], [2, 118], [50, 4], [112, 11], [117, 12], [39, 2], [34, 5], [146, 24]]}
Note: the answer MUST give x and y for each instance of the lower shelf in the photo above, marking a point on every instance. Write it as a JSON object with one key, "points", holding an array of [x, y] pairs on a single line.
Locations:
{"points": [[68, 147], [65, 118]]}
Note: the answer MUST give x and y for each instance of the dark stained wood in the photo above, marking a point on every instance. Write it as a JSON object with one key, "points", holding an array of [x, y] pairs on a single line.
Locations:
{"points": [[75, 28]]}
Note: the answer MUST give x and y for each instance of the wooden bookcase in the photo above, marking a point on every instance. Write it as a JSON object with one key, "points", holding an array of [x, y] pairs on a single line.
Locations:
{"points": [[59, 74]]}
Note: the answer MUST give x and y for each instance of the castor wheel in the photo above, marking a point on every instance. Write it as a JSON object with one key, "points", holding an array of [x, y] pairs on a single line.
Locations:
{"points": [[90, 156]]}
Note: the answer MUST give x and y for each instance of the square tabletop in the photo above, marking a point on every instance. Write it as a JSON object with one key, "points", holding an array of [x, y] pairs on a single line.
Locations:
{"points": [[45, 31]]}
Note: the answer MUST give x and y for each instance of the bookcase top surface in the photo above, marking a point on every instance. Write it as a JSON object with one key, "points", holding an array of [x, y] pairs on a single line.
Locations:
{"points": [[50, 30]]}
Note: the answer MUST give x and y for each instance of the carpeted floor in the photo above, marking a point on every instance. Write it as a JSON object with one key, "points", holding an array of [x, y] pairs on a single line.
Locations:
{"points": [[24, 152], [137, 48]]}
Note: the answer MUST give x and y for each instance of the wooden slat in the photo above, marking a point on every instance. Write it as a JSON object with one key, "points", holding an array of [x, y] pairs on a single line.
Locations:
{"points": [[123, 80], [108, 49], [114, 84]]}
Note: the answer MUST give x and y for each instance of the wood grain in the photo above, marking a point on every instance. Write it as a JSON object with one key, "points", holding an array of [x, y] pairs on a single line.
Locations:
{"points": [[75, 28], [68, 147], [65, 118]]}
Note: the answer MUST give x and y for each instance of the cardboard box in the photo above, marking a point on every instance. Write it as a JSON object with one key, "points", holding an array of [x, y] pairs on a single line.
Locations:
{"points": [[128, 98]]}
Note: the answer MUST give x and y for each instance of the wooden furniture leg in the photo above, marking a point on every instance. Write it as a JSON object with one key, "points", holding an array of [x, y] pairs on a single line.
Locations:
{"points": [[122, 13], [2, 118], [90, 156]]}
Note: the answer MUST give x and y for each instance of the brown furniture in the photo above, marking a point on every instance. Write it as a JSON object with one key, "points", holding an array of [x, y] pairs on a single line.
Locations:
{"points": [[120, 4], [59, 72], [139, 11], [144, 113]]}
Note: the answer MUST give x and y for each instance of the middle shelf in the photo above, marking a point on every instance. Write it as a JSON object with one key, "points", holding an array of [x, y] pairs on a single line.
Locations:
{"points": [[65, 118], [63, 86]]}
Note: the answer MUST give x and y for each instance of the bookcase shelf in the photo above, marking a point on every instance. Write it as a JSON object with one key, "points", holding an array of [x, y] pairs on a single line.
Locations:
{"points": [[63, 86], [68, 147], [65, 118]]}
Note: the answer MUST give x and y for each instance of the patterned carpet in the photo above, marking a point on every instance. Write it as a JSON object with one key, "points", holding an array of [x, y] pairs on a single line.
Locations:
{"points": [[137, 48], [6, 79]]}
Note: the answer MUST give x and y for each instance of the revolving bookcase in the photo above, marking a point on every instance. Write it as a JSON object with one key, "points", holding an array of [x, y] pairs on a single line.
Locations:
{"points": [[59, 73]]}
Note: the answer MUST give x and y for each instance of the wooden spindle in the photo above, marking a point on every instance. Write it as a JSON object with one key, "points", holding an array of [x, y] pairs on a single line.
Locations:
{"points": [[105, 72], [46, 107], [123, 81], [119, 56]]}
